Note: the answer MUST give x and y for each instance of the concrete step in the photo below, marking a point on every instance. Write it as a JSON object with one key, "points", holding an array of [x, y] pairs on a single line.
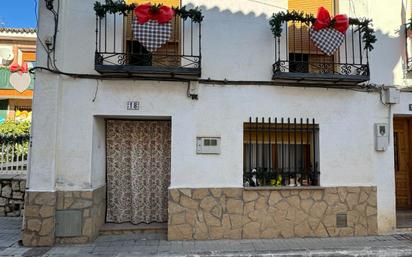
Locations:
{"points": [[129, 228]]}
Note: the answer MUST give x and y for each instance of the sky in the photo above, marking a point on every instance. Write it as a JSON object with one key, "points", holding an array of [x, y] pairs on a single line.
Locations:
{"points": [[17, 13]]}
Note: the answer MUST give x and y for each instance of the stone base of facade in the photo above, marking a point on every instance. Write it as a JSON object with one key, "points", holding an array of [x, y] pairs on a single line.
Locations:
{"points": [[92, 208], [253, 213], [39, 219], [43, 209]]}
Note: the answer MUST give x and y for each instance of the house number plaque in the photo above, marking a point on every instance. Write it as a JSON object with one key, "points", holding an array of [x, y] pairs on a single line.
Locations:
{"points": [[133, 105]]}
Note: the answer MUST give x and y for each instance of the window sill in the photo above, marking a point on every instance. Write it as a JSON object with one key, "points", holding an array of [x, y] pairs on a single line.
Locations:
{"points": [[269, 188]]}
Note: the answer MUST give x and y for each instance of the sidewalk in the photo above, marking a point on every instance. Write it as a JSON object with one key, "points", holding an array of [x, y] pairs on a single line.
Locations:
{"points": [[152, 245], [155, 245], [142, 245]]}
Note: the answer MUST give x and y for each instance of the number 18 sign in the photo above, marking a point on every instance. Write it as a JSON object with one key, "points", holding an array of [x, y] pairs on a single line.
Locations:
{"points": [[133, 105]]}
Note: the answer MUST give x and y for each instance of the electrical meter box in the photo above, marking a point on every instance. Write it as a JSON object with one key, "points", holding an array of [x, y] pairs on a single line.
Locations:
{"points": [[381, 136], [391, 95], [208, 145]]}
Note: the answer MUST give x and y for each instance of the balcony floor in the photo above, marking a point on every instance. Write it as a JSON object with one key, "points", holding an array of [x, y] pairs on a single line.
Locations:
{"points": [[315, 78], [169, 72]]}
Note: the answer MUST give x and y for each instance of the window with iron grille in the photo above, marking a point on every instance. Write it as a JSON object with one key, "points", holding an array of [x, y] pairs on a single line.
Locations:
{"points": [[281, 152]]}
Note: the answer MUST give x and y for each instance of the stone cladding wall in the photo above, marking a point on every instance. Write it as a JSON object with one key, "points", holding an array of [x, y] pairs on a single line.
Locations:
{"points": [[38, 226], [92, 204], [237, 213], [12, 190], [40, 213]]}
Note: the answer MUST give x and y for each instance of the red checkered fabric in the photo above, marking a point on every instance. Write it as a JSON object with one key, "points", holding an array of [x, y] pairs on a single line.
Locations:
{"points": [[151, 34]]}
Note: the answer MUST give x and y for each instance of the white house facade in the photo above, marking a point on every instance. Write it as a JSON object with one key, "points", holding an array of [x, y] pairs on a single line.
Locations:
{"points": [[223, 132]]}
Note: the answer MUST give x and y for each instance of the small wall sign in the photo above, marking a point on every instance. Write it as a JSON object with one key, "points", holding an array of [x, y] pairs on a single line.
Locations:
{"points": [[133, 105], [410, 107]]}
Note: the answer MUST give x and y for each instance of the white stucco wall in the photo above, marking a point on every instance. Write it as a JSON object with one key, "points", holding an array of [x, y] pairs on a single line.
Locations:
{"points": [[347, 155], [346, 118], [68, 127]]}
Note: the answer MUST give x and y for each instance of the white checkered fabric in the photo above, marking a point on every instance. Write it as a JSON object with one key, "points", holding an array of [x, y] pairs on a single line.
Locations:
{"points": [[151, 34], [327, 40]]}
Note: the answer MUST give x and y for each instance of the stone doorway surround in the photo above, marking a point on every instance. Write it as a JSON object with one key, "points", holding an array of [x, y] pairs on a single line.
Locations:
{"points": [[254, 213]]}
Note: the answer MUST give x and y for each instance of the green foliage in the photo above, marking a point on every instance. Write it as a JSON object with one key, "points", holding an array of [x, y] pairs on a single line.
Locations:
{"points": [[280, 17], [368, 33], [120, 6], [364, 25], [194, 14], [14, 141], [12, 132]]}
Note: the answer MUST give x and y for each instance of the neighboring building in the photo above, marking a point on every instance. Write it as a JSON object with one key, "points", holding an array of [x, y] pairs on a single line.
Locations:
{"points": [[224, 132], [17, 47]]}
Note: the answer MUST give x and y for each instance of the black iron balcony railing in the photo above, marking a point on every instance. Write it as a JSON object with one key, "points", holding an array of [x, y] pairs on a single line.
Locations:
{"points": [[119, 52], [299, 60]]}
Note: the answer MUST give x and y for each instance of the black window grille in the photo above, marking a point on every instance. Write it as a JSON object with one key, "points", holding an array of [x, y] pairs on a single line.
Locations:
{"points": [[281, 152]]}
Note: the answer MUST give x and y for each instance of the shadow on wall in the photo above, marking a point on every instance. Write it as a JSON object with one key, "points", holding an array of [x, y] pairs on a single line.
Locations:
{"points": [[389, 53], [244, 46], [243, 43], [384, 58]]}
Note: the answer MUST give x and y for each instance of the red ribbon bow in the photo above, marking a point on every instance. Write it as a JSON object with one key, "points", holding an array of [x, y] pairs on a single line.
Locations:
{"points": [[323, 20], [144, 13], [24, 68]]}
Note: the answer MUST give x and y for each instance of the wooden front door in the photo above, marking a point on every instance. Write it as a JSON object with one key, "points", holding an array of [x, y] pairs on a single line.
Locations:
{"points": [[402, 139]]}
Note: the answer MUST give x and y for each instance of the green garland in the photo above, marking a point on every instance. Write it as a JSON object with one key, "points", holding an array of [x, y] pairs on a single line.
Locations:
{"points": [[112, 7], [120, 6], [368, 34], [194, 14]]}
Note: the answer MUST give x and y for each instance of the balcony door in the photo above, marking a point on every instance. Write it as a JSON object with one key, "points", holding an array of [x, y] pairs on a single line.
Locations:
{"points": [[166, 56], [304, 56], [138, 171]]}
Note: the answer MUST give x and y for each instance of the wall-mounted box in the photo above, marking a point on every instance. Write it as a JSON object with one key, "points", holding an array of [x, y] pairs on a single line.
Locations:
{"points": [[391, 95], [381, 136], [208, 145]]}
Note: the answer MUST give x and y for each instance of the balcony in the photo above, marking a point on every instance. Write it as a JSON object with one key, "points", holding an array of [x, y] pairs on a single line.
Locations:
{"points": [[298, 60], [120, 50]]}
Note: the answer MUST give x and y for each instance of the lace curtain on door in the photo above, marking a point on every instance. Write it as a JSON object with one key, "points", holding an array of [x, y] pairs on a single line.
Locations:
{"points": [[138, 171]]}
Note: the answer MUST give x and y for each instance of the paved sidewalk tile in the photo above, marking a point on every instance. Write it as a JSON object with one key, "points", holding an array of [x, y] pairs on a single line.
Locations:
{"points": [[150, 245]]}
